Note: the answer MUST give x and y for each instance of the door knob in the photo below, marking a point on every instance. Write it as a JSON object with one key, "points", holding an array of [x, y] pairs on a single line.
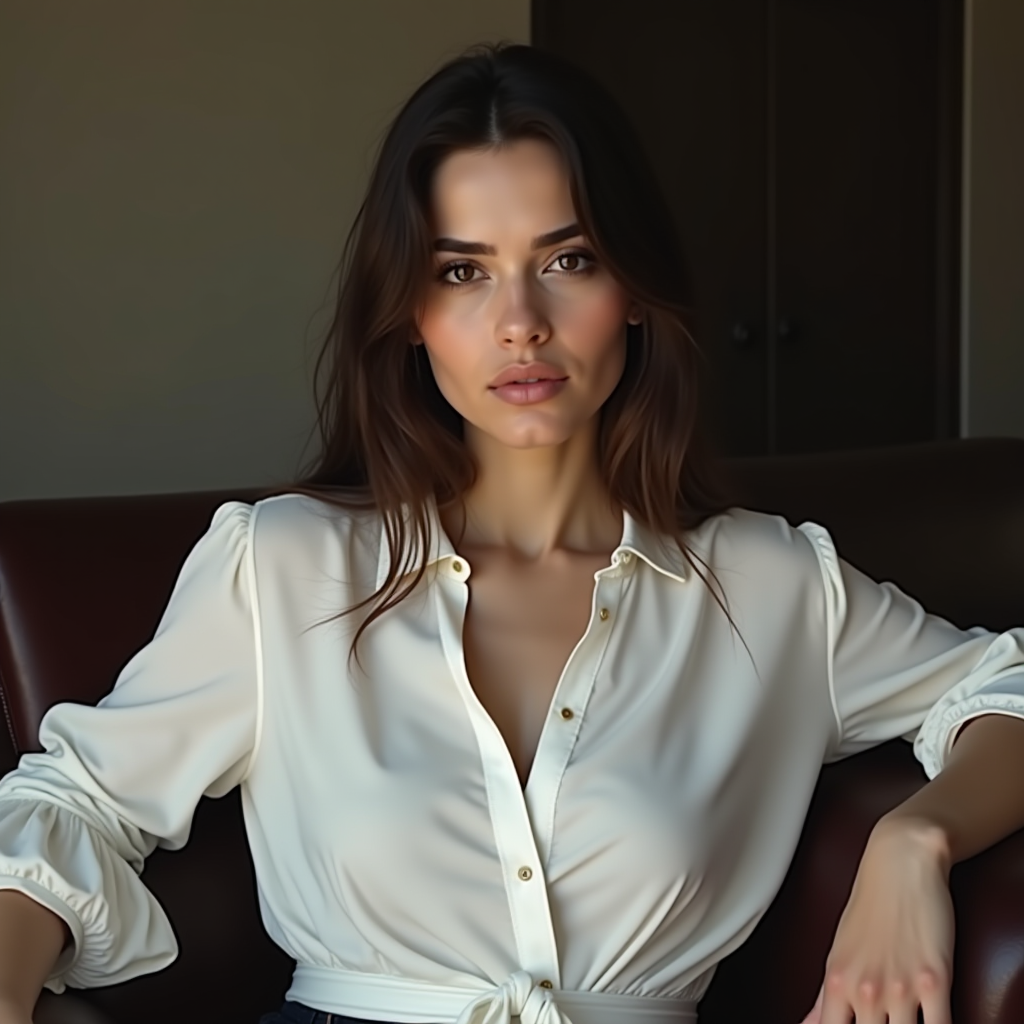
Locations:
{"points": [[742, 334]]}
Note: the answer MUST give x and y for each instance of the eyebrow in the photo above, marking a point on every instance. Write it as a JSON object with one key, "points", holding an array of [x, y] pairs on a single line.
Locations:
{"points": [[482, 249]]}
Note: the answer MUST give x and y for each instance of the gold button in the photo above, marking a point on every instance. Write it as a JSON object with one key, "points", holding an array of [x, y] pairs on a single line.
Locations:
{"points": [[457, 566], [567, 713], [525, 874], [546, 984], [603, 613]]}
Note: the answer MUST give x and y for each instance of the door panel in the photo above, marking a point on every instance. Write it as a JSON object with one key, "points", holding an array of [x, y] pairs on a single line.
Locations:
{"points": [[857, 141], [809, 152], [690, 75]]}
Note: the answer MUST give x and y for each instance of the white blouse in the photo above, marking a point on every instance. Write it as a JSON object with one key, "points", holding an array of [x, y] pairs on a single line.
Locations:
{"points": [[398, 859]]}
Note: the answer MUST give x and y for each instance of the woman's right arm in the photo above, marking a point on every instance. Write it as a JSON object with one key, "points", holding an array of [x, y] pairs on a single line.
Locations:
{"points": [[118, 779], [31, 940]]}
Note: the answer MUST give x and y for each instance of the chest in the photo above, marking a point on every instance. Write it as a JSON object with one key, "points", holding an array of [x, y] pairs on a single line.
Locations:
{"points": [[521, 626]]}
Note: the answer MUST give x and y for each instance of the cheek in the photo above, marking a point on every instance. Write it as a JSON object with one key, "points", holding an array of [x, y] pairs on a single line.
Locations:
{"points": [[597, 323], [440, 326], [451, 338], [444, 328]]}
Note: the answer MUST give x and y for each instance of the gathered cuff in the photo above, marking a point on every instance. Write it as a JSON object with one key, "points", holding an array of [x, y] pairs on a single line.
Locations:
{"points": [[30, 887], [934, 740], [119, 930]]}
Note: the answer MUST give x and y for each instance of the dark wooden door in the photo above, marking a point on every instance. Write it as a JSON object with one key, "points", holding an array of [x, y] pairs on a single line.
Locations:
{"points": [[691, 77], [808, 151], [862, 270]]}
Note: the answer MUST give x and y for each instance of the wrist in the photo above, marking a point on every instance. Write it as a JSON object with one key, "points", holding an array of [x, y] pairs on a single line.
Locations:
{"points": [[911, 835]]}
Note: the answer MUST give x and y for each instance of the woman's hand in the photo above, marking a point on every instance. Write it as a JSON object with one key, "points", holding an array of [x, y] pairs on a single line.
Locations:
{"points": [[893, 949]]}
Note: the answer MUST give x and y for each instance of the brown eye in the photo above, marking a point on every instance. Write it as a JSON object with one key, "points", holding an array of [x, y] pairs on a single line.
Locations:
{"points": [[464, 272], [572, 264]]}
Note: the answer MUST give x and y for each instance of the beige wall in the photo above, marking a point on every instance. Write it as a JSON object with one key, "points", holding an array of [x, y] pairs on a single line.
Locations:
{"points": [[176, 183], [992, 390]]}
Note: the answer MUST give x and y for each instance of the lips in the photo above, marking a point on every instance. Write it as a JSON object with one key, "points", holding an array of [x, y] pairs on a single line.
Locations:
{"points": [[528, 394], [519, 372]]}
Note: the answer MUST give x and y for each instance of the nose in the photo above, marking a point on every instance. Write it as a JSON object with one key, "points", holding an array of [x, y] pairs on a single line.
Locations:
{"points": [[522, 319]]}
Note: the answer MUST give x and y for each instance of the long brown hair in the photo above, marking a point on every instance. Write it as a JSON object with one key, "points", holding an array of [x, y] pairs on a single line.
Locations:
{"points": [[388, 436]]}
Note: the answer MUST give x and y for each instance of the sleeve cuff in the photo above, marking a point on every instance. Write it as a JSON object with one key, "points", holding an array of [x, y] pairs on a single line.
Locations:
{"points": [[118, 928], [934, 740], [69, 956]]}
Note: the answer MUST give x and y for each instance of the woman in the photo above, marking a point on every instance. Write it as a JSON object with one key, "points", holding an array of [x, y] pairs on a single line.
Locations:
{"points": [[553, 786]]}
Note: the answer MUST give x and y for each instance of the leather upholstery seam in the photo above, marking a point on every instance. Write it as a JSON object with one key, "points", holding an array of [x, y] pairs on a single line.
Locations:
{"points": [[7, 714]]}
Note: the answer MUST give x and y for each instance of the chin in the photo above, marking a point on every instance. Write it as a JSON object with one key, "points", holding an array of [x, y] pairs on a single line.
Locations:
{"points": [[539, 430], [535, 438]]}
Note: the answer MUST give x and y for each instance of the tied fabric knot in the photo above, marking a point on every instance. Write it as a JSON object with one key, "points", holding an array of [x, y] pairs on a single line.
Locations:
{"points": [[516, 997]]}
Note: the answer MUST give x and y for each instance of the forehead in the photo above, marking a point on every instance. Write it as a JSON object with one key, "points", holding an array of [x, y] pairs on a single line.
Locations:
{"points": [[524, 183]]}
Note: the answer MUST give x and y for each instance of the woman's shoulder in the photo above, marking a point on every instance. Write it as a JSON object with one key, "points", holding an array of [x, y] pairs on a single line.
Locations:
{"points": [[745, 534], [291, 522]]}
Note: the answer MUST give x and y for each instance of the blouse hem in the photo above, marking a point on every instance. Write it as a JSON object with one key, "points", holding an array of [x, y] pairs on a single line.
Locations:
{"points": [[408, 1001]]}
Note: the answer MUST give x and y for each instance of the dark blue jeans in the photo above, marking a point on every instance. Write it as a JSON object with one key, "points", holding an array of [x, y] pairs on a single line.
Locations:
{"points": [[297, 1013]]}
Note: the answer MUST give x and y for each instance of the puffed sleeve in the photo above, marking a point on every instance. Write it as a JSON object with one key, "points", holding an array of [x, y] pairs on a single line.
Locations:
{"points": [[120, 778], [896, 670]]}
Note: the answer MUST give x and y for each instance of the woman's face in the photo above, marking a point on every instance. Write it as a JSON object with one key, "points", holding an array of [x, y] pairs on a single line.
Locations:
{"points": [[502, 294]]}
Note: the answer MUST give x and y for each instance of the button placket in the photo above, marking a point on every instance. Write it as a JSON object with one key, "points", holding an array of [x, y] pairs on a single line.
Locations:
{"points": [[555, 746], [559, 737], [523, 823], [510, 820]]}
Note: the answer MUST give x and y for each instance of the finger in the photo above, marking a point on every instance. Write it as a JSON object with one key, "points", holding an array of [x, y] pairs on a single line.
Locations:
{"points": [[902, 1012], [935, 1001], [836, 1007]]}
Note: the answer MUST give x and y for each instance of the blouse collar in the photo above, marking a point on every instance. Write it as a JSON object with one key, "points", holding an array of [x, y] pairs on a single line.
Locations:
{"points": [[660, 552]]}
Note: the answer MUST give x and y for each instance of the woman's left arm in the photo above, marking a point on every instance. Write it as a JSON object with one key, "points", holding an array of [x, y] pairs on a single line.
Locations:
{"points": [[902, 886], [978, 797], [896, 670]]}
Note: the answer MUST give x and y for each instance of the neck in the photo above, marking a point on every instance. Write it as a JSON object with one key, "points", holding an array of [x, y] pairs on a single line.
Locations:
{"points": [[538, 504]]}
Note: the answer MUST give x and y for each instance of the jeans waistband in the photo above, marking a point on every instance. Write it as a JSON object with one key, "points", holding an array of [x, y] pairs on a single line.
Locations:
{"points": [[298, 1013]]}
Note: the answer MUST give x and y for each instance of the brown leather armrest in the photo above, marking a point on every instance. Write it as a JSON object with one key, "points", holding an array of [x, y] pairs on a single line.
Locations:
{"points": [[786, 953], [67, 1009]]}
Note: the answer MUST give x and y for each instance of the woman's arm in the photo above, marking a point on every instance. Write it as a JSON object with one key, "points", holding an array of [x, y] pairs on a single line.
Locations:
{"points": [[978, 797], [117, 779], [893, 948], [31, 940], [896, 670]]}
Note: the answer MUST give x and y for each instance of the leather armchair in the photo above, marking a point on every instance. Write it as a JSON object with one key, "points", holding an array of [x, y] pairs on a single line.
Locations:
{"points": [[83, 583]]}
